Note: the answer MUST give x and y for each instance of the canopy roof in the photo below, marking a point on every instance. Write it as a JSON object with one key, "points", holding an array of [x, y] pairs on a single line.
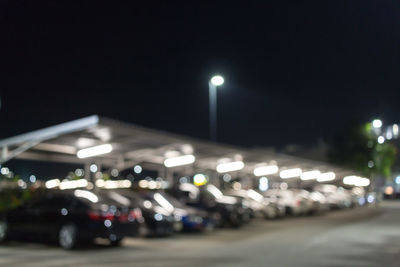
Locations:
{"points": [[133, 144]]}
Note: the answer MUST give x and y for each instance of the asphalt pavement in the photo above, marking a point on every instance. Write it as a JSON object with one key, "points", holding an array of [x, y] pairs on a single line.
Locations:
{"points": [[368, 236]]}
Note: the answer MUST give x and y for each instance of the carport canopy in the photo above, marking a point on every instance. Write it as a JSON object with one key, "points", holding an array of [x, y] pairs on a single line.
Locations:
{"points": [[132, 144]]}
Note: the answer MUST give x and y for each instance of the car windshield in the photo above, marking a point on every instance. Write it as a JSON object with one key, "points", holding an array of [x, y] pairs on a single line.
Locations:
{"points": [[163, 202], [176, 203], [212, 189]]}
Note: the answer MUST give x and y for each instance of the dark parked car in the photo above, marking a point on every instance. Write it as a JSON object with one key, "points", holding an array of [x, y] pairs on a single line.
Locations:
{"points": [[258, 204], [71, 217], [223, 210], [159, 221], [192, 219]]}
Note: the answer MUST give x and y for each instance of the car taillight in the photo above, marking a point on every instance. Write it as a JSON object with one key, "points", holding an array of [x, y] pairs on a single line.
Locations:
{"points": [[124, 217], [98, 216], [136, 213], [109, 216], [298, 202], [94, 215]]}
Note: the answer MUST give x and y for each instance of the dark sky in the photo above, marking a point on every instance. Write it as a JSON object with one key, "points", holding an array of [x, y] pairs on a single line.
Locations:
{"points": [[294, 70]]}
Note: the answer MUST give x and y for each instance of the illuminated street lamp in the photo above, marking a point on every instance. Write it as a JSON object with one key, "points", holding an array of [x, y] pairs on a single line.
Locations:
{"points": [[212, 86], [377, 124]]}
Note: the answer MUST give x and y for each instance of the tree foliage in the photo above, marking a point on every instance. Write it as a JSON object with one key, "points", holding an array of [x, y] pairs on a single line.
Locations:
{"points": [[356, 147]]}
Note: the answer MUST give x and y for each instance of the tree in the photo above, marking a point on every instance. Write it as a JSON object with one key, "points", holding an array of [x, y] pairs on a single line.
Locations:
{"points": [[356, 147]]}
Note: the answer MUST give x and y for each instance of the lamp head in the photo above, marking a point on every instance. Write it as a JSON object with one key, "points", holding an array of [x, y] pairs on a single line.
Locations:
{"points": [[217, 80]]}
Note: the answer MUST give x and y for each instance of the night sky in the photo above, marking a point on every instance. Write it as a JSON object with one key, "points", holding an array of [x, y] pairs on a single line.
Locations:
{"points": [[294, 71]]}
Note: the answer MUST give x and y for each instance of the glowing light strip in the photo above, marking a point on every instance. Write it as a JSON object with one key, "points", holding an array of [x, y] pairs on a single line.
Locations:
{"points": [[113, 184], [310, 175], [327, 176], [266, 170], [179, 161], [356, 181], [230, 166], [94, 151], [73, 184], [290, 173], [52, 183]]}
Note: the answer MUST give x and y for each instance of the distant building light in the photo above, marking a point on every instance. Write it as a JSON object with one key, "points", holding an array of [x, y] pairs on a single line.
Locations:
{"points": [[371, 164], [389, 135], [183, 180], [79, 172], [21, 184], [395, 129], [263, 187], [263, 180], [93, 168], [227, 177], [137, 169], [263, 184], [114, 173], [389, 190], [381, 139], [237, 186], [32, 178], [4, 171]]}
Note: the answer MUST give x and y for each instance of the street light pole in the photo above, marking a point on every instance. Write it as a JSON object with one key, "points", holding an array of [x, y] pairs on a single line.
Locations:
{"points": [[212, 86], [213, 111]]}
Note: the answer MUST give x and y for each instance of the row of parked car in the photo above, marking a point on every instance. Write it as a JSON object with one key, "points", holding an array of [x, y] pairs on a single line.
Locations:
{"points": [[76, 216]]}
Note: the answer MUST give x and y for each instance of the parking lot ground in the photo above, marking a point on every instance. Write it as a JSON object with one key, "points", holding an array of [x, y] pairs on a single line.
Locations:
{"points": [[368, 236]]}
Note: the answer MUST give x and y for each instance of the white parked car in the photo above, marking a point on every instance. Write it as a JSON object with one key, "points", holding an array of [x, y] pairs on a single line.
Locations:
{"points": [[336, 197], [260, 206], [293, 202], [314, 201], [359, 196]]}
